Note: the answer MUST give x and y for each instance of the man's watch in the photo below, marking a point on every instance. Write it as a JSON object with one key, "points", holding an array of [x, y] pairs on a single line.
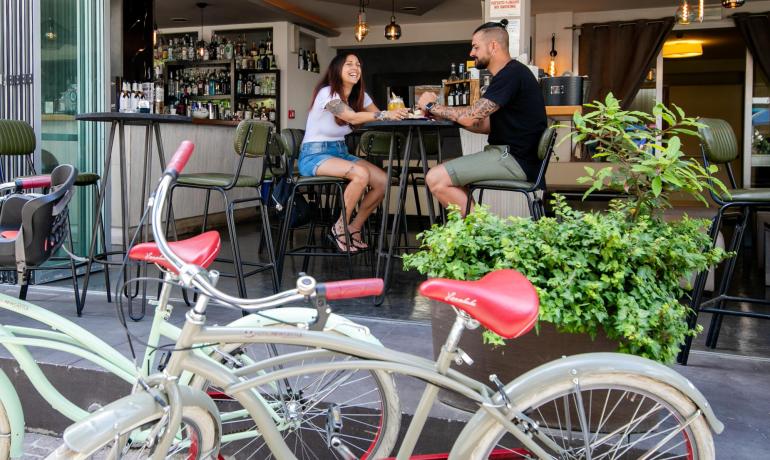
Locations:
{"points": [[429, 106]]}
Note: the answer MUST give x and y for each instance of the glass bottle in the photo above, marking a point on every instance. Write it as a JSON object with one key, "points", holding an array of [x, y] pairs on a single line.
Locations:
{"points": [[453, 73]]}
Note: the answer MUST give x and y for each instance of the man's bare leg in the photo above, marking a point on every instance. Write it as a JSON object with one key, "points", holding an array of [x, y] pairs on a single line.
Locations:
{"points": [[440, 185]]}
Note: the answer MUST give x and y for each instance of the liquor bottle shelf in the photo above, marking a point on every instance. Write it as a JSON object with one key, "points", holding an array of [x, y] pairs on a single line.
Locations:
{"points": [[209, 63], [255, 96], [218, 97]]}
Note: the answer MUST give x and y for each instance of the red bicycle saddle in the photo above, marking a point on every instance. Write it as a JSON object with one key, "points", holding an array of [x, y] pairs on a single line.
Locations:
{"points": [[504, 301], [199, 250]]}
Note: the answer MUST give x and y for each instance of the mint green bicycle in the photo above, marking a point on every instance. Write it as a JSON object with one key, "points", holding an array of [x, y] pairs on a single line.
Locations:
{"points": [[238, 433]]}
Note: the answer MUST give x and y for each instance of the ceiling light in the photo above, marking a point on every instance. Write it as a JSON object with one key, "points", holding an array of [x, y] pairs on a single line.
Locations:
{"points": [[676, 49], [201, 45], [362, 28], [393, 30], [553, 53], [180, 20], [685, 14], [733, 3], [50, 33], [408, 8]]}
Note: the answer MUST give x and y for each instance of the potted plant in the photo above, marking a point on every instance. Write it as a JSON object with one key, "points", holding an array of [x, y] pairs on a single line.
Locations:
{"points": [[607, 280]]}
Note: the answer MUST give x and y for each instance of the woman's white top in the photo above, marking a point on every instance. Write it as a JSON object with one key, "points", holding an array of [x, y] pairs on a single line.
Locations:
{"points": [[321, 124]]}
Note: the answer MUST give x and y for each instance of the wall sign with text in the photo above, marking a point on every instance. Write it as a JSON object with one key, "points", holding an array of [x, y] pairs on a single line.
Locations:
{"points": [[504, 8]]}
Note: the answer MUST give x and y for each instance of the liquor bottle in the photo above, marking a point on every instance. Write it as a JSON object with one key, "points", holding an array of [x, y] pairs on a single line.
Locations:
{"points": [[124, 103], [273, 64], [450, 100], [269, 44], [261, 49], [212, 85], [453, 73], [300, 59], [315, 67]]}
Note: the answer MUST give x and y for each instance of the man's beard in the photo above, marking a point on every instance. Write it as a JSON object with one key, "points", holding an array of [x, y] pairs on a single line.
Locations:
{"points": [[482, 64]]}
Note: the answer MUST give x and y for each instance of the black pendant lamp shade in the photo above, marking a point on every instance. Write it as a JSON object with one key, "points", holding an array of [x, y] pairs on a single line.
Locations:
{"points": [[393, 30]]}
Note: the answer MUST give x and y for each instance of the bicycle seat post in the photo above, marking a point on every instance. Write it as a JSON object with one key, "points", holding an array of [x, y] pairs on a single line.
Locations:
{"points": [[450, 350]]}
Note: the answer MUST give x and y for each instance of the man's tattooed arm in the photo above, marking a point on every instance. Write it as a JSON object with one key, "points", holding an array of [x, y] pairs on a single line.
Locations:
{"points": [[471, 116]]}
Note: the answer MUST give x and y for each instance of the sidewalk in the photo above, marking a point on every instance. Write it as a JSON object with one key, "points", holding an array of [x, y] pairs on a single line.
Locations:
{"points": [[736, 386]]}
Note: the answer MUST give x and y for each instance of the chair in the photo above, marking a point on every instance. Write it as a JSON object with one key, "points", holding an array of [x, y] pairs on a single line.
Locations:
{"points": [[83, 179], [33, 227], [17, 138], [720, 147], [252, 140], [529, 189], [316, 187]]}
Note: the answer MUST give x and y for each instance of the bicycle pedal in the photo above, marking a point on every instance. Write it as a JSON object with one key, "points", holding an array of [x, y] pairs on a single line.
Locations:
{"points": [[462, 357]]}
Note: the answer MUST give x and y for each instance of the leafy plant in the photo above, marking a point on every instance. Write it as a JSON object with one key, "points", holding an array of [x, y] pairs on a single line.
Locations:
{"points": [[647, 163], [592, 270]]}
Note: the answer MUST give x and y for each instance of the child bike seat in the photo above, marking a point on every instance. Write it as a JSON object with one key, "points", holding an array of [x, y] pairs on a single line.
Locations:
{"points": [[504, 301], [199, 250]]}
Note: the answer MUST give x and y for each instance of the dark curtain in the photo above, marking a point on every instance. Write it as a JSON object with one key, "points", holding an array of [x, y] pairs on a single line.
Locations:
{"points": [[617, 55], [755, 29]]}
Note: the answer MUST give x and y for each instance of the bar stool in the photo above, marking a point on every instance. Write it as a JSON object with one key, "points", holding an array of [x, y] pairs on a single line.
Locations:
{"points": [[252, 140], [329, 206], [720, 147], [529, 189], [83, 179]]}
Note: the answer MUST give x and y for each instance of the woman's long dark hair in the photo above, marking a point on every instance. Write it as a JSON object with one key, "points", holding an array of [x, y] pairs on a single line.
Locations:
{"points": [[333, 79]]}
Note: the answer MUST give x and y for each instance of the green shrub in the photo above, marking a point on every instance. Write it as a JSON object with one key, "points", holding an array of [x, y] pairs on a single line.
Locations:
{"points": [[592, 270]]}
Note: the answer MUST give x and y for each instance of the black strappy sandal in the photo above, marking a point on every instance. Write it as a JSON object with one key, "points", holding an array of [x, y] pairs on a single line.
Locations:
{"points": [[358, 243], [340, 243]]}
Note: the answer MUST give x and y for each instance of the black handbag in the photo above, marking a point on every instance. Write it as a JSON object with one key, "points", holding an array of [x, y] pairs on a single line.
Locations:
{"points": [[302, 212]]}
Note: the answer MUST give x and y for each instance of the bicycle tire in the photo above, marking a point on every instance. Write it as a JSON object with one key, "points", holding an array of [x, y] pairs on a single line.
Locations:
{"points": [[385, 438], [195, 420], [547, 407]]}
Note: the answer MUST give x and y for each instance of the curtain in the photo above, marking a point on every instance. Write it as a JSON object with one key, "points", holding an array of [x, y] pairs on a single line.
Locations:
{"points": [[617, 55], [755, 29]]}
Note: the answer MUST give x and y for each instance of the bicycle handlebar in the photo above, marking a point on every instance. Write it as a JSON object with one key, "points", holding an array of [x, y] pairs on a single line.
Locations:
{"points": [[351, 289], [180, 158], [24, 183]]}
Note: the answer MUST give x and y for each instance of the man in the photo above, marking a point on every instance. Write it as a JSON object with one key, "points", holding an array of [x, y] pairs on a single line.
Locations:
{"points": [[511, 111]]}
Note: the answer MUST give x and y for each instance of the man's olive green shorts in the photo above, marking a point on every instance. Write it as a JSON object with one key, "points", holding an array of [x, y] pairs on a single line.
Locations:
{"points": [[493, 163]]}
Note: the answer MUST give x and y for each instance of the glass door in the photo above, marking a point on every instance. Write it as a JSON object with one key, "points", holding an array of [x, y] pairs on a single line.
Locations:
{"points": [[72, 81]]}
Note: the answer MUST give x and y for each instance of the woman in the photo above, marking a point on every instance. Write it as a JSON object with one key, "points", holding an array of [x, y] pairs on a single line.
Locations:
{"points": [[339, 101]]}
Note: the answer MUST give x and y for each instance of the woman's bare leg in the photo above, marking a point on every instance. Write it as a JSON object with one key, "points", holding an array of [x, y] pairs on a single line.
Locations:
{"points": [[359, 179]]}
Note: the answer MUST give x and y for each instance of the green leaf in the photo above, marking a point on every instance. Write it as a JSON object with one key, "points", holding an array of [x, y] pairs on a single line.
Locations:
{"points": [[657, 186]]}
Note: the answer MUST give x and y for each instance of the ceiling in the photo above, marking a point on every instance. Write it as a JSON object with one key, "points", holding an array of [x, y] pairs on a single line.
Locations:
{"points": [[332, 14]]}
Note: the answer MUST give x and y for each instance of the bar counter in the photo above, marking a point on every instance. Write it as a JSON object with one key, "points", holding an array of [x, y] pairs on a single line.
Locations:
{"points": [[214, 152]]}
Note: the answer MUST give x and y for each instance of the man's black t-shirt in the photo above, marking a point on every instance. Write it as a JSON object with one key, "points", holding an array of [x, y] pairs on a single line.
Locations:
{"points": [[521, 119]]}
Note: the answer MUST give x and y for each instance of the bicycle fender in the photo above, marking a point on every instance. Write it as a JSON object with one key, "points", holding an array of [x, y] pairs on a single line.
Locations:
{"points": [[87, 435], [302, 315], [15, 413], [572, 367]]}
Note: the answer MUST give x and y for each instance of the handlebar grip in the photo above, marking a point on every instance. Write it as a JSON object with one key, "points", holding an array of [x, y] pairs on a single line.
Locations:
{"points": [[23, 183], [180, 158], [351, 289]]}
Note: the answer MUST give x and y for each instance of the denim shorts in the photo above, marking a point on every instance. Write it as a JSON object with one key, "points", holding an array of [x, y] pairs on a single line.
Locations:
{"points": [[312, 154]]}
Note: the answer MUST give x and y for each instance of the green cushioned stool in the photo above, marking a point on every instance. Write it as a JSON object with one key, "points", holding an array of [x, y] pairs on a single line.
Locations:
{"points": [[528, 189], [255, 140], [720, 147], [323, 192]]}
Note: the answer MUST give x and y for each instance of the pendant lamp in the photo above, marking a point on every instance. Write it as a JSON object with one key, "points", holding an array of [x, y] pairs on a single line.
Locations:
{"points": [[393, 30]]}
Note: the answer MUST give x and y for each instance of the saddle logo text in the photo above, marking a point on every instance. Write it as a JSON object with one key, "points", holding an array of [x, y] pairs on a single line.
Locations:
{"points": [[452, 297]]}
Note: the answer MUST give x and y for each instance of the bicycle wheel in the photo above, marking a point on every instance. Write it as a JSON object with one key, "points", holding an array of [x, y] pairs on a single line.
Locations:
{"points": [[196, 436], [610, 416], [367, 402]]}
